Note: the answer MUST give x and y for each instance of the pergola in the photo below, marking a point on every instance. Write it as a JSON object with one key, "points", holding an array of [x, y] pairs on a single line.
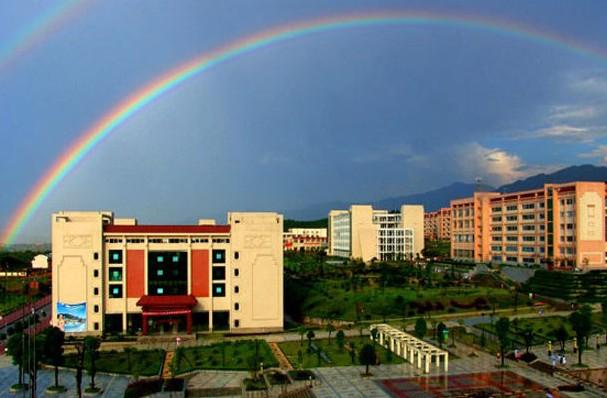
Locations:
{"points": [[410, 347]]}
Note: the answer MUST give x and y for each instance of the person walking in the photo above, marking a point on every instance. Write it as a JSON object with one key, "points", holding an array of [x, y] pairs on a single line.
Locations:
{"points": [[549, 348], [575, 345]]}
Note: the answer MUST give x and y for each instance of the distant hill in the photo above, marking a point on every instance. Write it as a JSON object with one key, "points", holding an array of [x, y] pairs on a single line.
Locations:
{"points": [[437, 198], [322, 223], [585, 172], [432, 200]]}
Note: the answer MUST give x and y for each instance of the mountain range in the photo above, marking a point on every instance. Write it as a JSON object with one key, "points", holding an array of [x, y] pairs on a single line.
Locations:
{"points": [[437, 198]]}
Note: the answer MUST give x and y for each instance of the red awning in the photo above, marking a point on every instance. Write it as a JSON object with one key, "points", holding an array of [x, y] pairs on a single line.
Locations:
{"points": [[167, 313], [167, 301]]}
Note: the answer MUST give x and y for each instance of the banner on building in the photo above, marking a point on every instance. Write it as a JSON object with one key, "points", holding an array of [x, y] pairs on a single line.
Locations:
{"points": [[71, 317]]}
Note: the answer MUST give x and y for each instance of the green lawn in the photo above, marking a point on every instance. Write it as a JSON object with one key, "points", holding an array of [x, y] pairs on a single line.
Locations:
{"points": [[142, 363], [233, 355], [544, 327], [388, 302], [332, 351]]}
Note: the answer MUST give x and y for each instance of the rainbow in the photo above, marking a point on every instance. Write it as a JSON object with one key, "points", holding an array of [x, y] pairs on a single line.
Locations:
{"points": [[37, 30], [100, 130]]}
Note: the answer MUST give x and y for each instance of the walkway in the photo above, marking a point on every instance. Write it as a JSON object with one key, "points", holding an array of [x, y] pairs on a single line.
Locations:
{"points": [[283, 362]]}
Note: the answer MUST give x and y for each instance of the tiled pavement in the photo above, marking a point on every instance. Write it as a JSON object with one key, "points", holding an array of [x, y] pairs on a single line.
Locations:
{"points": [[113, 386]]}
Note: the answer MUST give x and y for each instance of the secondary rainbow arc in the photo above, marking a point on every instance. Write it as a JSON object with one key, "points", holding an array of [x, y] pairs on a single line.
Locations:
{"points": [[87, 141]]}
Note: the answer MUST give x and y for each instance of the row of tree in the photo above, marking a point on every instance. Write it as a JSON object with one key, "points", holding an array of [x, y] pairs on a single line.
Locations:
{"points": [[28, 351]]}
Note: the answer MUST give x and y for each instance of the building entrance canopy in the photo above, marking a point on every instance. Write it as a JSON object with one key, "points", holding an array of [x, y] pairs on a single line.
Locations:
{"points": [[163, 306]]}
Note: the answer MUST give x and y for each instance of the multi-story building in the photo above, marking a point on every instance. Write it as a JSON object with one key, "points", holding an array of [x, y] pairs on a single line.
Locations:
{"points": [[437, 224], [364, 233], [305, 239], [560, 225], [113, 275]]}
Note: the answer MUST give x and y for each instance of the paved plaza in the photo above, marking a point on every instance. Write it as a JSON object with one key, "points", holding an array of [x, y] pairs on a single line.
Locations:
{"points": [[113, 386]]}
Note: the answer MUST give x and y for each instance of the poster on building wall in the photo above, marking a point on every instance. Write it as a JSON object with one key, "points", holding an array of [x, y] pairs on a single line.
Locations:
{"points": [[71, 317]]}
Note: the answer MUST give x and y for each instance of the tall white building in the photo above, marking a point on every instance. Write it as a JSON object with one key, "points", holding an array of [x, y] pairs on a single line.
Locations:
{"points": [[364, 233]]}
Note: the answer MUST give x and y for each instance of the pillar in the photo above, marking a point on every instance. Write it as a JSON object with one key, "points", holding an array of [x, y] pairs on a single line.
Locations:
{"points": [[144, 325], [427, 357], [446, 362], [210, 320], [437, 360], [419, 358]]}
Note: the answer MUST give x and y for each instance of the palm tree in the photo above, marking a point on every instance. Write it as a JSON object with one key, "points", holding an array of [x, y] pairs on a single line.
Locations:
{"points": [[330, 329]]}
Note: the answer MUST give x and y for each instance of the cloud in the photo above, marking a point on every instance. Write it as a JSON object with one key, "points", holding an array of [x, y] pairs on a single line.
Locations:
{"points": [[589, 83], [495, 165], [599, 152], [563, 132], [568, 112], [390, 153]]}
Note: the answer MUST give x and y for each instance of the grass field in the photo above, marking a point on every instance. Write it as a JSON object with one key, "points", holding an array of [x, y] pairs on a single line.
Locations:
{"points": [[142, 363], [393, 302], [336, 356], [232, 355]]}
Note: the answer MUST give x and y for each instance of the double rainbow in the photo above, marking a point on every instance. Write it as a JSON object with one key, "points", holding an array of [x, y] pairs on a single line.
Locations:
{"points": [[89, 139]]}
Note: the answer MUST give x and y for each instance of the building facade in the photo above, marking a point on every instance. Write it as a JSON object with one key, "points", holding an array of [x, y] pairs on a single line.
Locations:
{"points": [[559, 225], [305, 239], [113, 275], [437, 224], [364, 233]]}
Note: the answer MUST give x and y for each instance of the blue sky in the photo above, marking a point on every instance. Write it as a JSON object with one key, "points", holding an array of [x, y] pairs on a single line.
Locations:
{"points": [[351, 115]]}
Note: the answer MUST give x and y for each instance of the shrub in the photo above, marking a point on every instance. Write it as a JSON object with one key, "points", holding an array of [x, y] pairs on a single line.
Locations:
{"points": [[143, 388]]}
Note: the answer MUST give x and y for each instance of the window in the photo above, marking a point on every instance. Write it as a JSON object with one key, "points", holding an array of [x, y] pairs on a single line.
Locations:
{"points": [[159, 272], [219, 256], [219, 273], [95, 256], [512, 228], [236, 272], [236, 289], [496, 209], [96, 273], [236, 255], [96, 308], [115, 274], [512, 238], [527, 206], [236, 323], [115, 291], [219, 290], [96, 325], [96, 291], [236, 306], [176, 258], [511, 218], [115, 257], [511, 208], [496, 219], [159, 290], [511, 248], [160, 259]]}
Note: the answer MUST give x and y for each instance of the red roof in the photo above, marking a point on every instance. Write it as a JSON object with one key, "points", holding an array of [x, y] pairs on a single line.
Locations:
{"points": [[167, 301], [167, 229]]}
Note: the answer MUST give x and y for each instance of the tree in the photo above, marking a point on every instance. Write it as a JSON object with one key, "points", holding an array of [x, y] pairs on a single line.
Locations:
{"points": [[367, 356], [330, 329], [340, 338], [310, 335], [604, 316], [421, 328], [502, 329], [15, 347], [302, 332], [91, 349], [527, 335], [581, 323], [374, 334], [53, 349], [440, 333], [562, 335], [352, 347]]}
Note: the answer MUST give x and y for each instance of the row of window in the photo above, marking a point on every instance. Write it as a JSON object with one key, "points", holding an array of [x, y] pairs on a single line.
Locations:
{"points": [[167, 240], [524, 206]]}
